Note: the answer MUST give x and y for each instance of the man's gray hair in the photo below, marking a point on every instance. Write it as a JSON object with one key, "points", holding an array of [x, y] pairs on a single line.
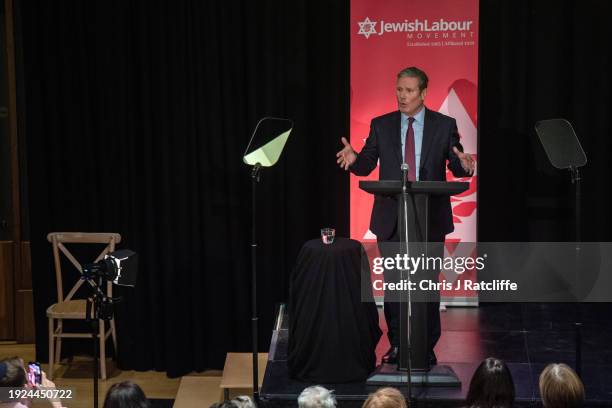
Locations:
{"points": [[414, 72], [317, 397], [244, 401]]}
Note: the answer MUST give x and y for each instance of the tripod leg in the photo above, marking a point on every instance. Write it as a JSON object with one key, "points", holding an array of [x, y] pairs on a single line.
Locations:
{"points": [[102, 340], [51, 344], [58, 348], [114, 335], [94, 335]]}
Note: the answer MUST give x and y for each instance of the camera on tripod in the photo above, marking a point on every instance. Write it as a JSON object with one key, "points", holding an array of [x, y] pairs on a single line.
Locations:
{"points": [[116, 268], [119, 267]]}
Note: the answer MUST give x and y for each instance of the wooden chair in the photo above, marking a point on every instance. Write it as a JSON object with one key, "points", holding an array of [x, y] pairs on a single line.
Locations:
{"points": [[70, 308]]}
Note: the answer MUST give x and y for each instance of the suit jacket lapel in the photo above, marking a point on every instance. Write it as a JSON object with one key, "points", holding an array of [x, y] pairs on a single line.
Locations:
{"points": [[396, 127], [429, 132]]}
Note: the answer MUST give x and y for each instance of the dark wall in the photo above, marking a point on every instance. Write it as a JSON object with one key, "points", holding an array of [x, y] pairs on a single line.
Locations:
{"points": [[138, 113], [6, 199]]}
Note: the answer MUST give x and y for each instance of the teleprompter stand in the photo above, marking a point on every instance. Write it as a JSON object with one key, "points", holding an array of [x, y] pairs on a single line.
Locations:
{"points": [[565, 152], [264, 149], [413, 220]]}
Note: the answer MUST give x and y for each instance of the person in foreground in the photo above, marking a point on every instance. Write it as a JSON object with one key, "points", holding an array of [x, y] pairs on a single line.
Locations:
{"points": [[126, 394], [244, 401], [491, 386], [386, 398], [241, 401], [316, 397], [560, 387], [13, 374], [425, 140]]}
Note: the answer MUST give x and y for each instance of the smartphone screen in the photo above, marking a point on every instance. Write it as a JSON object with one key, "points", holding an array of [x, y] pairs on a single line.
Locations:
{"points": [[34, 373]]}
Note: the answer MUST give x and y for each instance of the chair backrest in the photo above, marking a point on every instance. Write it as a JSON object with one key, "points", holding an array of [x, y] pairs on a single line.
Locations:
{"points": [[58, 239]]}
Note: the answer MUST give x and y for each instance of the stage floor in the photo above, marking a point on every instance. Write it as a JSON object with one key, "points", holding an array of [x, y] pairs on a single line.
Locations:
{"points": [[526, 336]]}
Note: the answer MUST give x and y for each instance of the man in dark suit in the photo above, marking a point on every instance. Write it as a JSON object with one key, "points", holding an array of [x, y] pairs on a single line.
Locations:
{"points": [[426, 141]]}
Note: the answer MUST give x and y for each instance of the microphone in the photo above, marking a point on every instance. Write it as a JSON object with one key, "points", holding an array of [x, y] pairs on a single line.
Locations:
{"points": [[405, 169]]}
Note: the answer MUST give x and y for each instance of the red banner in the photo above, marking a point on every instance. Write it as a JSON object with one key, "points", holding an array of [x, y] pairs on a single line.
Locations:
{"points": [[441, 38]]}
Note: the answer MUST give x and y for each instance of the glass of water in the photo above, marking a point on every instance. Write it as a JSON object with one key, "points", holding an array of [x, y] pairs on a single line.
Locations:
{"points": [[328, 235]]}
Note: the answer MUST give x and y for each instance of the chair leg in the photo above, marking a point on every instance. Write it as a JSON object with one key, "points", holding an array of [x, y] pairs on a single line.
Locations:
{"points": [[58, 348], [114, 335], [102, 351], [51, 355]]}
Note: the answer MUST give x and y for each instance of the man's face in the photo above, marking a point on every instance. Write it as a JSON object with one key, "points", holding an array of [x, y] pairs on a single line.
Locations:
{"points": [[409, 97]]}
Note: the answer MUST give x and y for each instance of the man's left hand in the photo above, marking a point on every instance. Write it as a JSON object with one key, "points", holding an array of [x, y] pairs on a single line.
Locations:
{"points": [[467, 161]]}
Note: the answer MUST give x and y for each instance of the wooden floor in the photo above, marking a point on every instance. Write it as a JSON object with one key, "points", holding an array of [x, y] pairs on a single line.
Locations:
{"points": [[76, 375]]}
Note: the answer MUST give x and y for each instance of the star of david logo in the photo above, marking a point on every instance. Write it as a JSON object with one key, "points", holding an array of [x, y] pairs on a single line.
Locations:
{"points": [[367, 27]]}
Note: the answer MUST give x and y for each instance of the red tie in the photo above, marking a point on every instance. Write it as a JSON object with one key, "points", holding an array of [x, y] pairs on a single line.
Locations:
{"points": [[409, 151]]}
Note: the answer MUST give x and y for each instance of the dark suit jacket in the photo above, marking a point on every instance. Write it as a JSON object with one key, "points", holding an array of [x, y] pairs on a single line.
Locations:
{"points": [[384, 144]]}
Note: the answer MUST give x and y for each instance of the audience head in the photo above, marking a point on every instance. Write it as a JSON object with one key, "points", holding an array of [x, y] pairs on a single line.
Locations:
{"points": [[241, 401], [316, 397], [491, 385], [12, 372], [225, 404], [385, 398], [126, 395], [244, 401], [560, 387]]}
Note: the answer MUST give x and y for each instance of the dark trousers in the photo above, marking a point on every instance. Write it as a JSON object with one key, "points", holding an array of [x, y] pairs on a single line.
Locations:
{"points": [[392, 308]]}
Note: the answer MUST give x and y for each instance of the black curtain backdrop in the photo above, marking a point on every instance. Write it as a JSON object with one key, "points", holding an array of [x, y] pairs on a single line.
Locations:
{"points": [[542, 60], [137, 114]]}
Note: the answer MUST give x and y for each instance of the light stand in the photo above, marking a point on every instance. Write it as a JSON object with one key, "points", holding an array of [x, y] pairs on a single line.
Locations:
{"points": [[98, 307], [119, 267]]}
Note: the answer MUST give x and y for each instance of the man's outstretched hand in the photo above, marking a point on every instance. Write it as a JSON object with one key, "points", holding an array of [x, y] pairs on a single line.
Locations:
{"points": [[467, 161], [346, 156]]}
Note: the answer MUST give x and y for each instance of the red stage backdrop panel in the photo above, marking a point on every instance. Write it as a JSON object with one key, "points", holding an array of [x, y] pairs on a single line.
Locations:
{"points": [[441, 38]]}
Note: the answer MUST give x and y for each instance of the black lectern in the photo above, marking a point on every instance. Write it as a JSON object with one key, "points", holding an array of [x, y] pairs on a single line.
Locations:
{"points": [[413, 222]]}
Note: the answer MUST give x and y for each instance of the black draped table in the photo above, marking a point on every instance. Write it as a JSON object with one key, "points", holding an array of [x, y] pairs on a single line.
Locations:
{"points": [[332, 332]]}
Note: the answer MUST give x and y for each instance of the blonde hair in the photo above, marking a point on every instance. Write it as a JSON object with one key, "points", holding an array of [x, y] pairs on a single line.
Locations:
{"points": [[386, 398], [560, 387]]}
